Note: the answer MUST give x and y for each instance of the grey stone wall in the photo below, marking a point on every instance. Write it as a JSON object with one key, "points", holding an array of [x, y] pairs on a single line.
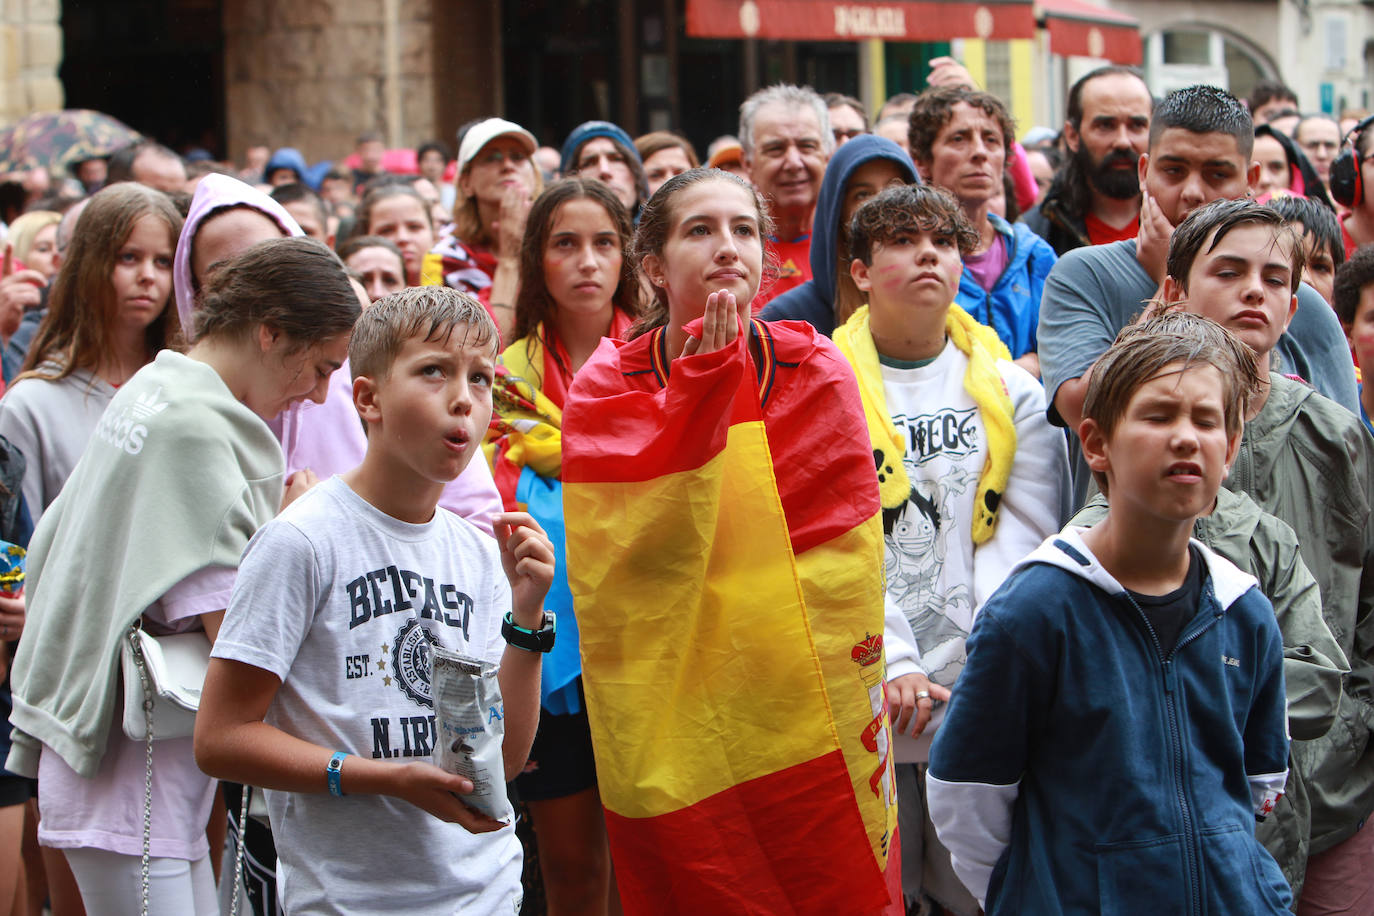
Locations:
{"points": [[30, 53], [315, 73]]}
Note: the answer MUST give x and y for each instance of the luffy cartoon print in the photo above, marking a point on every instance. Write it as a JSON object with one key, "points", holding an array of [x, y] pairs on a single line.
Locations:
{"points": [[918, 535]]}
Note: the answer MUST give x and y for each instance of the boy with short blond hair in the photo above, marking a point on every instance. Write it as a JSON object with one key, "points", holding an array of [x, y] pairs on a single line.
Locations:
{"points": [[1120, 721], [319, 683], [971, 475], [1308, 461]]}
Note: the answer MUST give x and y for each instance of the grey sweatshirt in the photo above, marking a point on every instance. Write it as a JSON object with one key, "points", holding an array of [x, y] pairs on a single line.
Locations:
{"points": [[50, 422]]}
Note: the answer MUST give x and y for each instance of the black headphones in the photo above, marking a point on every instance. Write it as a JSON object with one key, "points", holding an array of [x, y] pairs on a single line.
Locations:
{"points": [[1346, 185]]}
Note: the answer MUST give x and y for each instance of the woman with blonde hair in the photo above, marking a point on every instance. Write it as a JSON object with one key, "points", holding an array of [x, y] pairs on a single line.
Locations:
{"points": [[34, 240], [497, 182]]}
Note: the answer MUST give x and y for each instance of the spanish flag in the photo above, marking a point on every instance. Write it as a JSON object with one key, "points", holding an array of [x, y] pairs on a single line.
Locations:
{"points": [[725, 555]]}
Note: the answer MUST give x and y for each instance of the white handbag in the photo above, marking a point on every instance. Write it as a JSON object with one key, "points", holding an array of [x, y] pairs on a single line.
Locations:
{"points": [[163, 678], [169, 671]]}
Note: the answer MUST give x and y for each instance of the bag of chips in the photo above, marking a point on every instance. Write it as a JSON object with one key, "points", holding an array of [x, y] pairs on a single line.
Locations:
{"points": [[470, 720]]}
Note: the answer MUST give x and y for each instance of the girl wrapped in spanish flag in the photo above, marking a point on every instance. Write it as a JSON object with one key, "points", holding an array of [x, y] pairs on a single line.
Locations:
{"points": [[725, 556]]}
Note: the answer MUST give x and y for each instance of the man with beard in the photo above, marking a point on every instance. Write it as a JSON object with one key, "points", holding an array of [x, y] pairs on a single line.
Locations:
{"points": [[1200, 145], [1095, 198]]}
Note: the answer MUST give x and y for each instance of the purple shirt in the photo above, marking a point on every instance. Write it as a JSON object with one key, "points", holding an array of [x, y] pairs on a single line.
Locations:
{"points": [[329, 439], [987, 267]]}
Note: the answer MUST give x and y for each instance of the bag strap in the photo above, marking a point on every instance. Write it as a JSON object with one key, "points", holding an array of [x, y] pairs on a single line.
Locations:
{"points": [[142, 667], [244, 792]]}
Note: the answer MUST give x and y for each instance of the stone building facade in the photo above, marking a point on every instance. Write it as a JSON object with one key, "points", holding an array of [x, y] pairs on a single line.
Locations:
{"points": [[306, 73], [315, 73], [30, 53]]}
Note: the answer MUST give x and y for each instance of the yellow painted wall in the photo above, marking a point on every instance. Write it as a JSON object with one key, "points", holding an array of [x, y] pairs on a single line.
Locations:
{"points": [[976, 60], [1023, 82]]}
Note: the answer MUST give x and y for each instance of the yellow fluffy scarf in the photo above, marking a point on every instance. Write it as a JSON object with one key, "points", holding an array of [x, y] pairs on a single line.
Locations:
{"points": [[982, 381]]}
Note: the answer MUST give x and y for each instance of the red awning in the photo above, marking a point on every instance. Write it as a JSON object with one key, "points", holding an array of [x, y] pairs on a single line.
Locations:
{"points": [[837, 20], [1080, 29]]}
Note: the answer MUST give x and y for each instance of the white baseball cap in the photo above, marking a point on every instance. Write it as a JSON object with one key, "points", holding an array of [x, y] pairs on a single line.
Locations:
{"points": [[482, 133]]}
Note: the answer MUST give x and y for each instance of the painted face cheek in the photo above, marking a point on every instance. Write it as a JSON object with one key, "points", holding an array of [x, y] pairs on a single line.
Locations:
{"points": [[890, 276]]}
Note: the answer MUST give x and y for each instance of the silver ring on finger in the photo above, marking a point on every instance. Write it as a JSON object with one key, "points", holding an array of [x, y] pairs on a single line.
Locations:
{"points": [[922, 695]]}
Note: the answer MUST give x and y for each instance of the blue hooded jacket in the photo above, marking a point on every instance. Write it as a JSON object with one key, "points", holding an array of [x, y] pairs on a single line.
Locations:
{"points": [[1012, 308], [590, 130], [1081, 770], [814, 300], [288, 157]]}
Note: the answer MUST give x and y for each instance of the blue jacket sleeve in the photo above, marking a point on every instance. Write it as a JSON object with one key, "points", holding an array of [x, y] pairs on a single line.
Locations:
{"points": [[1042, 259], [1314, 347], [980, 752]]}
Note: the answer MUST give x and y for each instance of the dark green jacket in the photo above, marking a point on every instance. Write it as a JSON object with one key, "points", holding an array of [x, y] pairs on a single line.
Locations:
{"points": [[1310, 461]]}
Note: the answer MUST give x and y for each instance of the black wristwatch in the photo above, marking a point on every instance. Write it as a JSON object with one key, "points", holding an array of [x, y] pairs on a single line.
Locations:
{"points": [[540, 640]]}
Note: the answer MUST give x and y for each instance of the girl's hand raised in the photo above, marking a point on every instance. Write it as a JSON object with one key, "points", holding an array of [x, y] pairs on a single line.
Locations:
{"points": [[509, 228], [723, 320]]}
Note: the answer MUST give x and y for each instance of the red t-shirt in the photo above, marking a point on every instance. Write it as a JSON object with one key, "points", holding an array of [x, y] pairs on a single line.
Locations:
{"points": [[793, 263], [1099, 233], [1350, 243]]}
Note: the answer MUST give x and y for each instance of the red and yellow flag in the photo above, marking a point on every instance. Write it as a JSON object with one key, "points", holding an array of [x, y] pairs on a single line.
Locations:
{"points": [[725, 554]]}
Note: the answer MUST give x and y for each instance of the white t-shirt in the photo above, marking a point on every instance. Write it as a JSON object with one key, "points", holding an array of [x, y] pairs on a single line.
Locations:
{"points": [[342, 602], [934, 573]]}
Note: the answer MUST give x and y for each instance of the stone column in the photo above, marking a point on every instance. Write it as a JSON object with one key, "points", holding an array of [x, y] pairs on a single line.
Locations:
{"points": [[30, 53], [316, 73]]}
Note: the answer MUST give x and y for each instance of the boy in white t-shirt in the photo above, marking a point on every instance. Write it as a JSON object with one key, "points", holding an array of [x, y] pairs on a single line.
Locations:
{"points": [[972, 476], [319, 682]]}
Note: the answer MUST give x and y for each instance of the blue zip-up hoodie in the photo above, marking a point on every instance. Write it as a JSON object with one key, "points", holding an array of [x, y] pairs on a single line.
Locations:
{"points": [[814, 300], [1012, 309], [1078, 771]]}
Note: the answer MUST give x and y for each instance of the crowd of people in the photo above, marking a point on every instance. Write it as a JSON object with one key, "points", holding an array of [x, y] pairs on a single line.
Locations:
{"points": [[873, 515]]}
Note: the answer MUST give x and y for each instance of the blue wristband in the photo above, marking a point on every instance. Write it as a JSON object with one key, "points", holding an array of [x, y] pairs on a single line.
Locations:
{"points": [[333, 771]]}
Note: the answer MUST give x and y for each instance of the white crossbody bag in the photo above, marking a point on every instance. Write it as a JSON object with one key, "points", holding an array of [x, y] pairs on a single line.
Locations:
{"points": [[163, 678]]}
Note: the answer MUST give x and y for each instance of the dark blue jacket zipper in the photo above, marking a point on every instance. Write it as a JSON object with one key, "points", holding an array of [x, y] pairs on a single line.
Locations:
{"points": [[1194, 854]]}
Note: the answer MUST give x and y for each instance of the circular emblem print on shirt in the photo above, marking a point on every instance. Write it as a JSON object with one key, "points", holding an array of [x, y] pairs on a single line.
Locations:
{"points": [[410, 664]]}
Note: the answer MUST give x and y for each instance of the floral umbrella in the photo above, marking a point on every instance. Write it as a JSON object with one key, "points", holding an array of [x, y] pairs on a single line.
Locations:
{"points": [[56, 140]]}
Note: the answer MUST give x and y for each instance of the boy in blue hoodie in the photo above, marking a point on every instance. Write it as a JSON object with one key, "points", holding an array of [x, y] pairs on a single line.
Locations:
{"points": [[1120, 721]]}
